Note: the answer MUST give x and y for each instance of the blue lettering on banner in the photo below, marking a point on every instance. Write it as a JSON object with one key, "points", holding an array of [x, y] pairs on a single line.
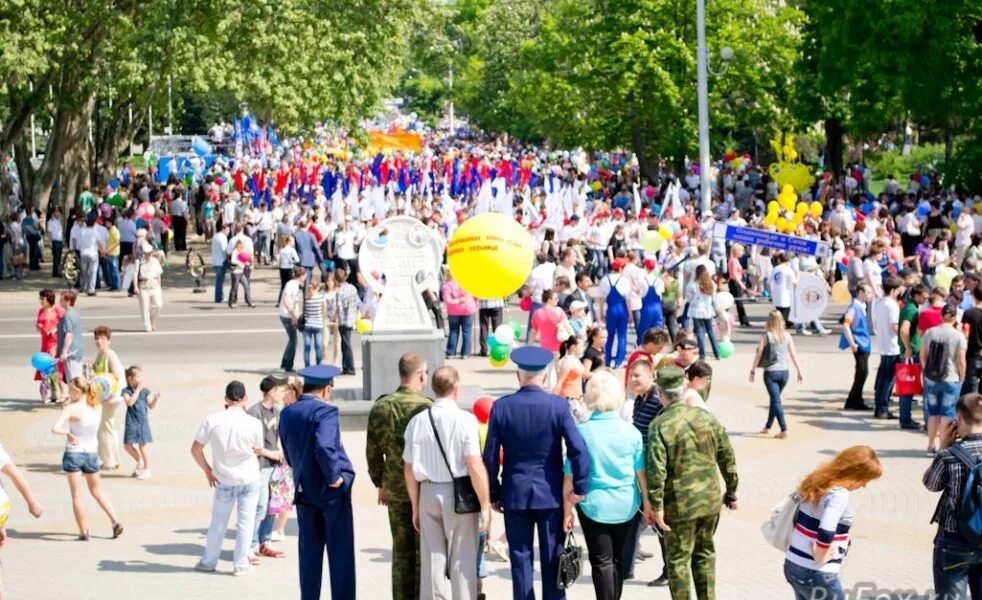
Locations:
{"points": [[768, 239]]}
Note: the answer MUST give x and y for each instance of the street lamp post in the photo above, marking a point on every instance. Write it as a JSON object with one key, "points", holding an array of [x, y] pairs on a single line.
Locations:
{"points": [[451, 98], [702, 60]]}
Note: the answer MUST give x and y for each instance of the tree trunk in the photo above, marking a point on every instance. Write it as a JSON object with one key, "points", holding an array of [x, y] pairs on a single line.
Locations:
{"points": [[25, 170], [949, 144], [833, 145], [70, 131]]}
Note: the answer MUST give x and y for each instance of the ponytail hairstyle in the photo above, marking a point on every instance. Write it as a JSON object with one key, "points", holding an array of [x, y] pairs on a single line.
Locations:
{"points": [[592, 332], [567, 345], [90, 392]]}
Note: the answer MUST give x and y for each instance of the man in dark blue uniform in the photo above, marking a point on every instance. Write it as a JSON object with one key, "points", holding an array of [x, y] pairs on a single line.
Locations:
{"points": [[311, 438], [531, 425]]}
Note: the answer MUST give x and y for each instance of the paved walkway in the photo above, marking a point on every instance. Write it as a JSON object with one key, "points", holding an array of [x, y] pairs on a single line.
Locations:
{"points": [[166, 516]]}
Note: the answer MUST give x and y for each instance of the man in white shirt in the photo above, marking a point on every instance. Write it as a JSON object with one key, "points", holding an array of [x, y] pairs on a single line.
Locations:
{"points": [[235, 439], [56, 234], [782, 282], [179, 221], [219, 254], [442, 444], [89, 243], [886, 326], [542, 278]]}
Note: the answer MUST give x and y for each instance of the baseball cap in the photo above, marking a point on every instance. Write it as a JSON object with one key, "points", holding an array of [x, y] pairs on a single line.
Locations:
{"points": [[271, 381], [235, 391]]}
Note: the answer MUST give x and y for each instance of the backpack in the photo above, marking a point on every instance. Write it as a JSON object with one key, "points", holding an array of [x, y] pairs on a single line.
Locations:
{"points": [[936, 367], [969, 514]]}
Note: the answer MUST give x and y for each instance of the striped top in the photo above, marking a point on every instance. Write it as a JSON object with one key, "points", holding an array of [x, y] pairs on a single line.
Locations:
{"points": [[313, 311], [646, 408], [823, 523]]}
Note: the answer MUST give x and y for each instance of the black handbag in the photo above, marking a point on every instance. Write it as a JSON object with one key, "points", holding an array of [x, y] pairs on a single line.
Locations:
{"points": [[569, 563], [465, 500]]}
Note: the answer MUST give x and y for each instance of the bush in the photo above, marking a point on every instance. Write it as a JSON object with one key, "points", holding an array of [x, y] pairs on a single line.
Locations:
{"points": [[922, 159]]}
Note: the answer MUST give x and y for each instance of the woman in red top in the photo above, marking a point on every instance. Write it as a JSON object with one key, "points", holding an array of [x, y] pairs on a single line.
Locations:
{"points": [[47, 325], [546, 322], [461, 308]]}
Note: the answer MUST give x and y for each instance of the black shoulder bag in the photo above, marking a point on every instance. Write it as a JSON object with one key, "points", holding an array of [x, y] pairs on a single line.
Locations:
{"points": [[570, 562], [465, 499]]}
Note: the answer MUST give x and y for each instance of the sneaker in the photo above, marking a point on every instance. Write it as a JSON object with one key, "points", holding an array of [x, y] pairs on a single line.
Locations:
{"points": [[199, 566], [137, 470], [276, 536], [930, 452], [911, 425], [144, 474], [242, 571], [270, 552], [662, 580]]}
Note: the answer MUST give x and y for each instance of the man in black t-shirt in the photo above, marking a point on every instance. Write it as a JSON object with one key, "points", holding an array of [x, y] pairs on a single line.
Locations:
{"points": [[268, 413], [972, 327]]}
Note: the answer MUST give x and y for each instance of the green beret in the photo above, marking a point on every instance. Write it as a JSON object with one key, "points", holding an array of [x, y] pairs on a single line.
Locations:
{"points": [[670, 379]]}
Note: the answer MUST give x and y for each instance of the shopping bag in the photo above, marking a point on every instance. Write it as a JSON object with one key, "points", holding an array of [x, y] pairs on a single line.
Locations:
{"points": [[280, 489], [908, 379]]}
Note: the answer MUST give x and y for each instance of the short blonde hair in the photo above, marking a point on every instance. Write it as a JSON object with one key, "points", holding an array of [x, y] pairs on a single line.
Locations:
{"points": [[604, 392]]}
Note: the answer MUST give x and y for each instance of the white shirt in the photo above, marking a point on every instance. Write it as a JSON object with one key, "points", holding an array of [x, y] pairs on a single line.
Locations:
{"points": [[623, 284], [288, 257], [885, 317], [219, 244], [782, 282], [874, 275], [966, 228], [178, 208], [292, 291], [458, 434], [56, 232], [87, 242], [344, 244], [234, 436], [246, 243], [541, 279]]}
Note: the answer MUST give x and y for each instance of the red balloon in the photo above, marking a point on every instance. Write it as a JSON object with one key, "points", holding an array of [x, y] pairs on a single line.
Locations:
{"points": [[482, 408]]}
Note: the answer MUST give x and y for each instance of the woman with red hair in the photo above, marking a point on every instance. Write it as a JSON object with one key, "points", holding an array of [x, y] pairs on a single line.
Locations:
{"points": [[820, 539]]}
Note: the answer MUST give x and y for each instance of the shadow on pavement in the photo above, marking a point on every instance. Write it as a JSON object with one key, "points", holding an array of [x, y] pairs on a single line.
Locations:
{"points": [[25, 405], [177, 549], [140, 566], [39, 535], [42, 467], [381, 555]]}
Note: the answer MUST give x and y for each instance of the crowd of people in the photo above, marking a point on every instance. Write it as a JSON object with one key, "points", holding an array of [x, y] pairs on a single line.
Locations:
{"points": [[623, 261]]}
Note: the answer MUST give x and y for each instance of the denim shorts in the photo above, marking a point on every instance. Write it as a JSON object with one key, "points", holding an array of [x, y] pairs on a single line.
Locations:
{"points": [[940, 398], [80, 462]]}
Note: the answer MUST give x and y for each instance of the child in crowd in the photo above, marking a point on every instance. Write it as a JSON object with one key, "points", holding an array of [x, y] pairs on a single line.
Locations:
{"points": [[136, 437]]}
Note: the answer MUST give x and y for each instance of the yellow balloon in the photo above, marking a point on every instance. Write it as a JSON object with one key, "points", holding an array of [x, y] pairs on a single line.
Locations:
{"points": [[782, 223], [4, 508], [787, 189], [596, 186], [651, 240], [840, 292], [771, 218], [786, 201], [665, 231], [363, 326], [772, 207], [497, 364], [490, 255], [816, 209], [943, 277], [801, 210]]}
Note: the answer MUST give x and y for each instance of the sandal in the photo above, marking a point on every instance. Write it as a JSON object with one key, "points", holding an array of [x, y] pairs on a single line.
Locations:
{"points": [[117, 530], [84, 537], [781, 436]]}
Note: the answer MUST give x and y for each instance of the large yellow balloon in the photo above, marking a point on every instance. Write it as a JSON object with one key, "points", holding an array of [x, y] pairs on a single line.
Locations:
{"points": [[490, 255], [782, 224], [943, 277], [651, 240], [787, 201], [665, 231], [771, 218], [840, 292]]}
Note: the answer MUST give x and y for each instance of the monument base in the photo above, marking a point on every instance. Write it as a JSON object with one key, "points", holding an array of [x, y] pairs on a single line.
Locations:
{"points": [[380, 359]]}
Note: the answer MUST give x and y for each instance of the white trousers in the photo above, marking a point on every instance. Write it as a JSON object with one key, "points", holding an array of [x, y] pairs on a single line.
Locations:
{"points": [[448, 546], [150, 303]]}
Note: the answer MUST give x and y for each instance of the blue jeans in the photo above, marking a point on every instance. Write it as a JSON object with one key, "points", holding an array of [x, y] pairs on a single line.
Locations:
{"points": [[220, 283], [775, 381], [528, 328], [264, 520], [290, 352], [957, 568], [313, 338], [705, 326], [809, 584], [244, 498], [940, 398], [460, 324], [113, 282], [884, 383]]}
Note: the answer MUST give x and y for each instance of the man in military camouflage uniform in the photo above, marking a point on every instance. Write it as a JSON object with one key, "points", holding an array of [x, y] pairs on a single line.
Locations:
{"points": [[686, 446], [387, 423]]}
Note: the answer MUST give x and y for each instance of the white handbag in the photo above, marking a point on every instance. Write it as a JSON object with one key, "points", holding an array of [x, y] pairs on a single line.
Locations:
{"points": [[777, 529]]}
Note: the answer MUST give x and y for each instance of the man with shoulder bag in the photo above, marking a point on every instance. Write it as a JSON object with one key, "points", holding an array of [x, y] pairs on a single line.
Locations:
{"points": [[448, 488]]}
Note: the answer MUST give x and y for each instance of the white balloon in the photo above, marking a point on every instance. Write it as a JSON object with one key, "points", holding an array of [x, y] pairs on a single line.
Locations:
{"points": [[504, 335], [724, 300]]}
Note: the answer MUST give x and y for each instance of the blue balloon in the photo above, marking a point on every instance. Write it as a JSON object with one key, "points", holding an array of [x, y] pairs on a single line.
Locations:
{"points": [[200, 147], [923, 210], [43, 362], [114, 183]]}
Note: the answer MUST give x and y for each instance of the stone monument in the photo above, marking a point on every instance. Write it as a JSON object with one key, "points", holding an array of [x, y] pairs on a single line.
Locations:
{"points": [[408, 255]]}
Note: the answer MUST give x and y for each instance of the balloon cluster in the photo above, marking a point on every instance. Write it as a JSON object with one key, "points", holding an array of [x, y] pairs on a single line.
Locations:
{"points": [[787, 170], [501, 342], [786, 213], [735, 161]]}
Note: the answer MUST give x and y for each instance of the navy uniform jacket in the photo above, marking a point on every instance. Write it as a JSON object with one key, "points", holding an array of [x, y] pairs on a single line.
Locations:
{"points": [[307, 249], [530, 424], [310, 434]]}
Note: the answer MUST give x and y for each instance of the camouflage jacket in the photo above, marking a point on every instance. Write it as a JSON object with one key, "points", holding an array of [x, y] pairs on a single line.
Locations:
{"points": [[387, 423], [686, 445]]}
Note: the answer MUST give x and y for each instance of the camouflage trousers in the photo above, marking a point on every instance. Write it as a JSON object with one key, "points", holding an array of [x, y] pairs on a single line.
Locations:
{"points": [[405, 551], [692, 557]]}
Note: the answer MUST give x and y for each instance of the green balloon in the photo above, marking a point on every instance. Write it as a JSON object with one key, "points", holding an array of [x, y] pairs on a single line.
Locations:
{"points": [[725, 348], [517, 327], [500, 352]]}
